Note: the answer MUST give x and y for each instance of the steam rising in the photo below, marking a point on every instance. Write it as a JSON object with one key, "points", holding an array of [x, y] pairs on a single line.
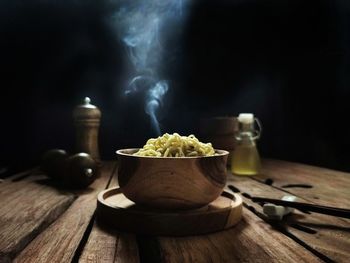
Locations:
{"points": [[141, 27]]}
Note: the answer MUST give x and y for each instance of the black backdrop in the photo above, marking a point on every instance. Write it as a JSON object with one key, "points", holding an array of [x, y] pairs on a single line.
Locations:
{"points": [[286, 61]]}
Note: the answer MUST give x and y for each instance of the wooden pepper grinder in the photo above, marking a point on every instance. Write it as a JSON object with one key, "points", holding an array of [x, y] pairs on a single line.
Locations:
{"points": [[87, 122]]}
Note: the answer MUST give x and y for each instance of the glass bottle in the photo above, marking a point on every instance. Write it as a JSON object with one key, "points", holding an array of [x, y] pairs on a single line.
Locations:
{"points": [[245, 158]]}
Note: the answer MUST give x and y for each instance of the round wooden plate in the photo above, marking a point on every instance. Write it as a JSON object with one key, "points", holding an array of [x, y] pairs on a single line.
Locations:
{"points": [[117, 211]]}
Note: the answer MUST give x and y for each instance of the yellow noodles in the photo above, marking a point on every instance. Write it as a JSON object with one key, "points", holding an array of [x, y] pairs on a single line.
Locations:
{"points": [[174, 145]]}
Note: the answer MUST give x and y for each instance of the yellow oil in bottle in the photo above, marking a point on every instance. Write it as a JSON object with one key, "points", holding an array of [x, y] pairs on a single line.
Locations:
{"points": [[245, 159]]}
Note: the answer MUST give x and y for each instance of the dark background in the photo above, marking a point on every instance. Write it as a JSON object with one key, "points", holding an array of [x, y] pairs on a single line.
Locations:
{"points": [[286, 61]]}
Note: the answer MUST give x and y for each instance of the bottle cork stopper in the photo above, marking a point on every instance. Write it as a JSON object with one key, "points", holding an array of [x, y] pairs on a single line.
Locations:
{"points": [[246, 118]]}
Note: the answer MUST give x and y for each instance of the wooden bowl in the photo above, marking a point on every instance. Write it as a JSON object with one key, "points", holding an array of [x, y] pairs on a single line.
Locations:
{"points": [[171, 182]]}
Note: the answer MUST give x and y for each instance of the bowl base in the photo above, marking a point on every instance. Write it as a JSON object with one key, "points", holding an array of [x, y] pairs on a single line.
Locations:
{"points": [[117, 211]]}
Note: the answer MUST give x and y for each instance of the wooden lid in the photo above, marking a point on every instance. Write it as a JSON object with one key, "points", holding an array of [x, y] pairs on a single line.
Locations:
{"points": [[86, 111], [118, 212]]}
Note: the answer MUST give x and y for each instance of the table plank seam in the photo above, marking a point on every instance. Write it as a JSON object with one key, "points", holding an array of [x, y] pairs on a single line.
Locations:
{"points": [[83, 240], [40, 228], [115, 256], [48, 218], [294, 194], [89, 227], [285, 232], [149, 249], [288, 234]]}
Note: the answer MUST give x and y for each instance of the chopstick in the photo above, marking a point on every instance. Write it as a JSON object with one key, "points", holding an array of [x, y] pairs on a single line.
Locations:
{"points": [[328, 210]]}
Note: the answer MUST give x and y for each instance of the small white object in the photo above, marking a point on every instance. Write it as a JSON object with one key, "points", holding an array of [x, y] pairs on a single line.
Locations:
{"points": [[289, 198], [246, 118], [87, 100], [88, 172], [278, 211], [274, 211]]}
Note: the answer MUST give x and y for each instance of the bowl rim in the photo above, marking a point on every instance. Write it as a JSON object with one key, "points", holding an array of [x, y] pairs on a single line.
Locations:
{"points": [[218, 152]]}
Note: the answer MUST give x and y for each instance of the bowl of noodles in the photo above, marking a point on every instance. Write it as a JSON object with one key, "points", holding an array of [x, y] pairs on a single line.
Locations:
{"points": [[172, 172]]}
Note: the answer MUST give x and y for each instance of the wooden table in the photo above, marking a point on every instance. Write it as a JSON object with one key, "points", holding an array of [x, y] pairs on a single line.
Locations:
{"points": [[42, 223]]}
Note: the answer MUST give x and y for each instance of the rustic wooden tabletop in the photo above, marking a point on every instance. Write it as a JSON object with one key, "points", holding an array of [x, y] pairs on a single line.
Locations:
{"points": [[43, 223]]}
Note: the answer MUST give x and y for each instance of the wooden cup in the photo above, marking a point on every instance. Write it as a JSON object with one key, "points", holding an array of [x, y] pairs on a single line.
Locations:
{"points": [[220, 131]]}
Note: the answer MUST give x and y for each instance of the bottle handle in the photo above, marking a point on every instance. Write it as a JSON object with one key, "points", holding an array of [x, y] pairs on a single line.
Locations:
{"points": [[259, 131], [256, 133]]}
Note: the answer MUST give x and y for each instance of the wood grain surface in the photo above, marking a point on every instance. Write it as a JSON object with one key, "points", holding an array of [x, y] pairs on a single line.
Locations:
{"points": [[24, 175], [252, 240], [58, 243], [328, 235], [329, 187], [28, 206], [108, 245], [59, 226]]}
